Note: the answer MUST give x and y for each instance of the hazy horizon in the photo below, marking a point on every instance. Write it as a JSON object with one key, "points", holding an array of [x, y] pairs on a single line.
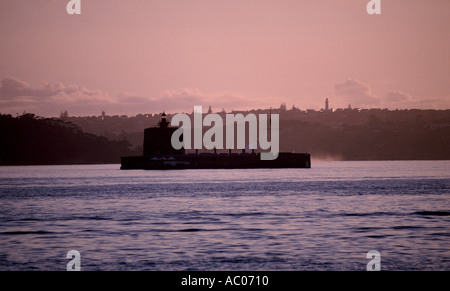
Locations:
{"points": [[126, 57], [205, 111]]}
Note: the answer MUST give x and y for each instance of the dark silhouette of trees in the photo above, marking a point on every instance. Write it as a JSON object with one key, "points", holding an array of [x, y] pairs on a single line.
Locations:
{"points": [[389, 135], [345, 134], [32, 140]]}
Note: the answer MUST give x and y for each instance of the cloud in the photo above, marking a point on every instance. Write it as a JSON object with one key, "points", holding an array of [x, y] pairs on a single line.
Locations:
{"points": [[127, 97], [180, 100], [49, 99], [356, 93], [359, 94], [398, 97], [12, 87], [15, 89], [186, 98], [183, 96]]}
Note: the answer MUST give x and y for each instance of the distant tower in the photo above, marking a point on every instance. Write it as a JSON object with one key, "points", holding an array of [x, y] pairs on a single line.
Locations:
{"points": [[163, 123], [326, 104]]}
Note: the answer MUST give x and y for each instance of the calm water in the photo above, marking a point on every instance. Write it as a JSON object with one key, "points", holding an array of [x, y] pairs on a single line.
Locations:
{"points": [[324, 218]]}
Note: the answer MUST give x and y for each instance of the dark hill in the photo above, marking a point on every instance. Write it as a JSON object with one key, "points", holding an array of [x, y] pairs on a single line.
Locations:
{"points": [[31, 140]]}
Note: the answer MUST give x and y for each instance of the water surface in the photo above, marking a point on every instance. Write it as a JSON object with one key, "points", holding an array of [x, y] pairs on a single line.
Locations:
{"points": [[324, 218]]}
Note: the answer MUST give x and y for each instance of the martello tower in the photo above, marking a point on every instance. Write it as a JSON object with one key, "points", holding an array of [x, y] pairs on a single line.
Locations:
{"points": [[157, 140]]}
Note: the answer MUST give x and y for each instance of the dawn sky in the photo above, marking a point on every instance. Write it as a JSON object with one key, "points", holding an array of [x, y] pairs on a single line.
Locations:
{"points": [[143, 56]]}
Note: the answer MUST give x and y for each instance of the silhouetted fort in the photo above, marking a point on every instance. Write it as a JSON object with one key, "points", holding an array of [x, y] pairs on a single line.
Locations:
{"points": [[158, 153], [157, 140]]}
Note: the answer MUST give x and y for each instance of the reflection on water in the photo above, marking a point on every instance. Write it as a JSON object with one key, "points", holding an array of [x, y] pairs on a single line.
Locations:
{"points": [[324, 218]]}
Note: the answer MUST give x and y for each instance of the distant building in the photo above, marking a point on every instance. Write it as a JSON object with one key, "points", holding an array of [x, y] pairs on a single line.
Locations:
{"points": [[157, 140], [327, 106]]}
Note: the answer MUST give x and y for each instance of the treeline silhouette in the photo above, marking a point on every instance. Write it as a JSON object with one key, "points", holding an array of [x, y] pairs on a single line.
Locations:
{"points": [[32, 140], [348, 134], [370, 134], [343, 134], [403, 141]]}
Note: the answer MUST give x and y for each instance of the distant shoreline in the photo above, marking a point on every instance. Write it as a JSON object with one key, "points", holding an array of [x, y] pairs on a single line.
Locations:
{"points": [[312, 162], [347, 135]]}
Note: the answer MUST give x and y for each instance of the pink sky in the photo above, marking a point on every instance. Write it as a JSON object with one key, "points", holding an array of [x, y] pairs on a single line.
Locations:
{"points": [[143, 56]]}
